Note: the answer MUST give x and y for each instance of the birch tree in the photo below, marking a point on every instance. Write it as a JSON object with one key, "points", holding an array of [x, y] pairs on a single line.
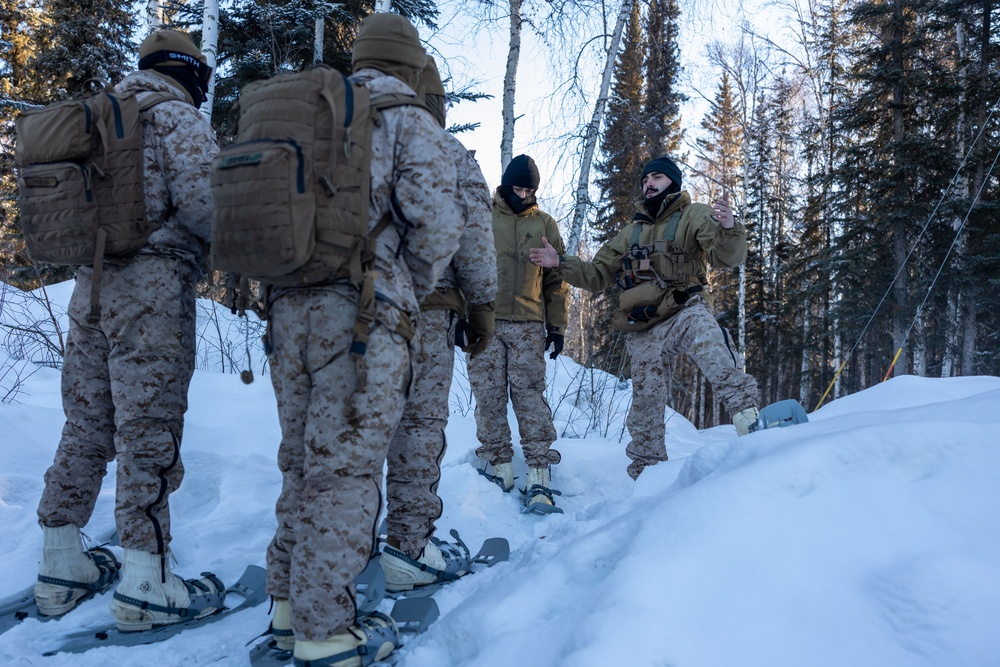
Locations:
{"points": [[210, 48], [593, 129], [154, 16], [510, 85]]}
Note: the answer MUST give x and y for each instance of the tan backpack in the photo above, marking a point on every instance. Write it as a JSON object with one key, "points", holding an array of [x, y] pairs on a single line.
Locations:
{"points": [[80, 181], [291, 195]]}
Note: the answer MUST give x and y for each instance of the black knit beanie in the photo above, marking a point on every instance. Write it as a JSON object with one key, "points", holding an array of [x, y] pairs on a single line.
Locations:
{"points": [[665, 166], [522, 173]]}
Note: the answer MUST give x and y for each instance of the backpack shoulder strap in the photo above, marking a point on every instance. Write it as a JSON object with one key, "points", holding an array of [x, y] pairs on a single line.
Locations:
{"points": [[393, 100], [152, 99]]}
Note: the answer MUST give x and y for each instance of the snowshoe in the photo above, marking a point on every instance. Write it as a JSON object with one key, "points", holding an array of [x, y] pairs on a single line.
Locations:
{"points": [[781, 414], [250, 586], [369, 640]]}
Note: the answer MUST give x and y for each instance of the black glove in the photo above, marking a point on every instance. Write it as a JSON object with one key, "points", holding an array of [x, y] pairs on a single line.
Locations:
{"points": [[556, 340]]}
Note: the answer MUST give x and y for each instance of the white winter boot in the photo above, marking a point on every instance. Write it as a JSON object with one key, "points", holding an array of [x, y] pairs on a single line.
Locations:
{"points": [[281, 626], [746, 421], [501, 474], [370, 639], [67, 574], [538, 494], [439, 562], [149, 594]]}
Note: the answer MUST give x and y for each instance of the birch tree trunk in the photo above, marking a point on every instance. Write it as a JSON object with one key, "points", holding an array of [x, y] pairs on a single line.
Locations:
{"points": [[318, 40], [510, 84], [210, 47], [154, 16], [594, 130]]}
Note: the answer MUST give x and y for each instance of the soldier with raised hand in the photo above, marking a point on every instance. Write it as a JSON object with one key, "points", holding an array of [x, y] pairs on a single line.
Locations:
{"points": [[337, 416], [661, 260], [531, 317], [409, 558], [125, 376]]}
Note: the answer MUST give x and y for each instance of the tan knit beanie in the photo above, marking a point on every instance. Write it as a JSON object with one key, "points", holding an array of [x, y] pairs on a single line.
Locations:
{"points": [[388, 38], [172, 41]]}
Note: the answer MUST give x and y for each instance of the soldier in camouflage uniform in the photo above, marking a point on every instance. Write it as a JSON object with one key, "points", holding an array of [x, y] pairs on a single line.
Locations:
{"points": [[125, 378], [337, 415], [688, 237], [414, 467], [531, 316]]}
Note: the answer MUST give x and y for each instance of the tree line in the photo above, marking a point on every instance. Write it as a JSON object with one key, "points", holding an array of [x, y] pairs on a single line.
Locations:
{"points": [[859, 148]]}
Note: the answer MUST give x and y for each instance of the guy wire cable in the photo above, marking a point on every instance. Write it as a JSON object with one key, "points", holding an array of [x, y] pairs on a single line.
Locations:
{"points": [[913, 248], [954, 242]]}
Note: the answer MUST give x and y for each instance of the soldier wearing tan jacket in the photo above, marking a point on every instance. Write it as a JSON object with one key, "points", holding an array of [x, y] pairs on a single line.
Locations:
{"points": [[531, 316], [660, 260]]}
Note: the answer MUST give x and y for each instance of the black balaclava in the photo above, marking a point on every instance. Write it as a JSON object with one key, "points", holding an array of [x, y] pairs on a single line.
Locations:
{"points": [[665, 166], [523, 173], [191, 82]]}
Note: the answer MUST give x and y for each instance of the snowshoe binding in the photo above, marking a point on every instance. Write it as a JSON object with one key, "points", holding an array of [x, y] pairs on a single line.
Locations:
{"points": [[68, 575], [539, 498], [370, 639], [150, 595], [439, 563], [501, 474], [55, 597]]}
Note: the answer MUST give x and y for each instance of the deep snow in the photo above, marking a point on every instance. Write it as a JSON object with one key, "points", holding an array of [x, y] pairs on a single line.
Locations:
{"points": [[869, 536]]}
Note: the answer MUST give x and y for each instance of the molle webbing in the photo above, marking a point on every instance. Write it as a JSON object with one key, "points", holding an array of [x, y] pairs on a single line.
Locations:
{"points": [[81, 183], [662, 260], [291, 196]]}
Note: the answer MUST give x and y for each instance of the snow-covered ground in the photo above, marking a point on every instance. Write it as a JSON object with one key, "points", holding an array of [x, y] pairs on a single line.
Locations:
{"points": [[868, 537]]}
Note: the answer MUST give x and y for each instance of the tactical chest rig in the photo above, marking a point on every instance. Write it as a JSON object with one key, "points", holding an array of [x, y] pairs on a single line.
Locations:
{"points": [[658, 279]]}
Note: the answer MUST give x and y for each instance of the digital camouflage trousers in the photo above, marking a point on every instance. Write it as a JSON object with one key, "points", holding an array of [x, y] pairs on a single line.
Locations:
{"points": [[695, 332], [514, 362], [417, 447], [335, 432], [124, 388]]}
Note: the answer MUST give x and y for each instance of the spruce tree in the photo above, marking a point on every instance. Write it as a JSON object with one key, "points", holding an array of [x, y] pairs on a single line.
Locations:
{"points": [[900, 169], [258, 40], [721, 150], [82, 40], [18, 24], [663, 99], [623, 157]]}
